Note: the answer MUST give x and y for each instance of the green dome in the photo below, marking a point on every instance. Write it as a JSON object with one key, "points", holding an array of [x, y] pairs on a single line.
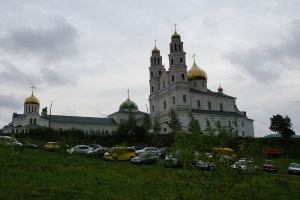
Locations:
{"points": [[128, 105]]}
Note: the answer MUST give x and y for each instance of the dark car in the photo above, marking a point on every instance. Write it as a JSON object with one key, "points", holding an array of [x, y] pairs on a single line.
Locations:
{"points": [[28, 145], [145, 158], [97, 153], [270, 166]]}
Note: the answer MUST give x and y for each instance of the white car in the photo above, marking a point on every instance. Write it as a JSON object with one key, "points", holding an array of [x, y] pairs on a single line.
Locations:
{"points": [[152, 150], [79, 149], [244, 165], [294, 168]]}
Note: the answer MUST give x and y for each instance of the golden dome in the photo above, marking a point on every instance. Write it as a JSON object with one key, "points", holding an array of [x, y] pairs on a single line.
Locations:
{"points": [[175, 35], [32, 99], [196, 73], [155, 50]]}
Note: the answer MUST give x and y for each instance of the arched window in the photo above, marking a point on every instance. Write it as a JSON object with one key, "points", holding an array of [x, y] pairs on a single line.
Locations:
{"points": [[182, 76], [34, 121], [152, 89], [181, 60], [179, 47], [158, 61], [175, 47], [30, 121], [155, 61], [172, 61]]}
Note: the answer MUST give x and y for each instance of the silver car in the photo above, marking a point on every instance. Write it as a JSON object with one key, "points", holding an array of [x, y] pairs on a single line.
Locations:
{"points": [[294, 168], [79, 149]]}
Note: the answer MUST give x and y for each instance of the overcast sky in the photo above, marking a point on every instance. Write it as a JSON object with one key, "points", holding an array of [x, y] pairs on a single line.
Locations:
{"points": [[85, 55]]}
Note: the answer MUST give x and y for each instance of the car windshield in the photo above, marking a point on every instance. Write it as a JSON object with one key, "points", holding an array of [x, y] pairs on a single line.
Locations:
{"points": [[295, 165]]}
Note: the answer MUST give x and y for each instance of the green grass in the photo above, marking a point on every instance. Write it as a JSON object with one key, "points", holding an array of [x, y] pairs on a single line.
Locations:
{"points": [[39, 174]]}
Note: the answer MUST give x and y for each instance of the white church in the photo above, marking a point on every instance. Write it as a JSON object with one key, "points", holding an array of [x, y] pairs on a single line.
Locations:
{"points": [[184, 91]]}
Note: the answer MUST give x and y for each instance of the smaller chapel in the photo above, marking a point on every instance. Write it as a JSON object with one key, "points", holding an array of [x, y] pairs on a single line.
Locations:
{"points": [[31, 118]]}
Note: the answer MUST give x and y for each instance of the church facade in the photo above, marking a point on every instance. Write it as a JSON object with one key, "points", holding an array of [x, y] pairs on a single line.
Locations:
{"points": [[185, 92], [22, 123]]}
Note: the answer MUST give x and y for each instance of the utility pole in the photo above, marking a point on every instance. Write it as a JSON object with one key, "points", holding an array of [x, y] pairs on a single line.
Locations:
{"points": [[50, 118]]}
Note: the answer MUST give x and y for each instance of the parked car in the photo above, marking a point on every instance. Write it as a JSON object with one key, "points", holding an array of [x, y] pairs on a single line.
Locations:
{"points": [[172, 160], [120, 153], [97, 153], [9, 141], [153, 150], [28, 145], [204, 161], [145, 158], [294, 168], [79, 150], [52, 146], [94, 146], [244, 165], [138, 147], [270, 166]]}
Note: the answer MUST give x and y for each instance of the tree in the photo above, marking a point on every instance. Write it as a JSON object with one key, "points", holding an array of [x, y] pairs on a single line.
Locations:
{"points": [[282, 125], [156, 127], [221, 180], [194, 126], [174, 124], [147, 123]]}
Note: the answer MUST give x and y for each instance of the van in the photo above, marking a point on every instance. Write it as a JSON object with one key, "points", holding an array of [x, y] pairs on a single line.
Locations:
{"points": [[119, 153], [9, 141]]}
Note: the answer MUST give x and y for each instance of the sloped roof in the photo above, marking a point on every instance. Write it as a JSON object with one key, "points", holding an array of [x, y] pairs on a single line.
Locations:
{"points": [[211, 93], [85, 120], [213, 112]]}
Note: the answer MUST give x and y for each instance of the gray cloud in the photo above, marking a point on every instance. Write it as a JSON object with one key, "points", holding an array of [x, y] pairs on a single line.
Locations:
{"points": [[266, 63], [10, 102], [49, 43], [14, 76]]}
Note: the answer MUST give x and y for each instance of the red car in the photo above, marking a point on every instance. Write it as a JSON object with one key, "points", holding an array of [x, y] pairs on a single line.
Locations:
{"points": [[270, 166]]}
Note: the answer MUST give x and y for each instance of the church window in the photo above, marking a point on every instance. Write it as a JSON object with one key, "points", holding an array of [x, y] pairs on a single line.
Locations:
{"points": [[151, 74], [159, 72], [152, 108], [243, 133], [195, 84], [165, 105], [221, 106], [173, 100], [198, 104], [165, 130], [173, 78], [184, 98], [155, 61], [172, 61], [242, 124], [158, 61], [181, 60], [30, 121], [152, 88], [34, 121], [171, 48], [175, 47], [209, 105], [182, 76], [179, 47]]}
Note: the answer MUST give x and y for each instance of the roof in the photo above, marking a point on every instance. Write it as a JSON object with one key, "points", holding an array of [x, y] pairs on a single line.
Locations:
{"points": [[211, 93], [213, 112], [86, 120]]}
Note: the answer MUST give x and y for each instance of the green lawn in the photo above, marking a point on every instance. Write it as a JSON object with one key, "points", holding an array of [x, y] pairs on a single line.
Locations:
{"points": [[39, 174]]}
